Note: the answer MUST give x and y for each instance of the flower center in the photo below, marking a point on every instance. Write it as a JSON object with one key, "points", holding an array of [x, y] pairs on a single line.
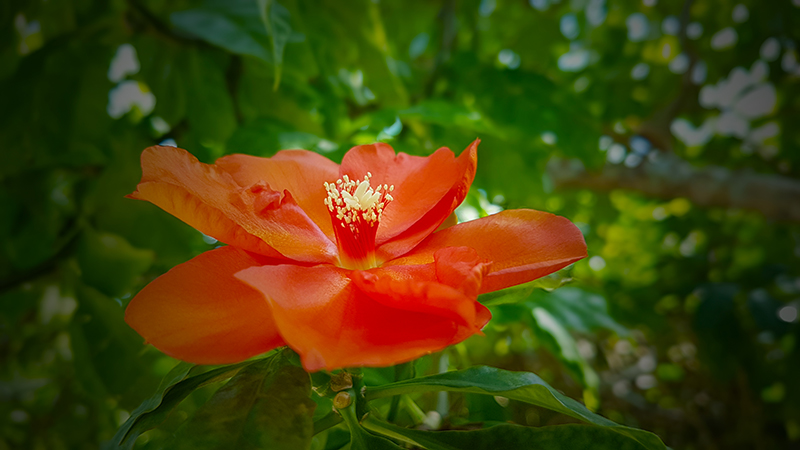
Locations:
{"points": [[356, 210]]}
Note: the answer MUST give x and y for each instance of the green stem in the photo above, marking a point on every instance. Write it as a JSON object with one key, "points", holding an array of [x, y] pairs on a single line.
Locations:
{"points": [[393, 409], [360, 438], [349, 417], [401, 372], [379, 427], [417, 414], [326, 422]]}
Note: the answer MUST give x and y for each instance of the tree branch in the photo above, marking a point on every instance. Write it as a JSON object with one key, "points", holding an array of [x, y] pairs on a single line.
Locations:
{"points": [[667, 176]]}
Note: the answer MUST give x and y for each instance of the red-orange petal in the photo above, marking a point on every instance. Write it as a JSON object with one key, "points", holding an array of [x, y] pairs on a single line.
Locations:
{"points": [[301, 172], [426, 190], [254, 217], [522, 245], [199, 312], [337, 318], [447, 287]]}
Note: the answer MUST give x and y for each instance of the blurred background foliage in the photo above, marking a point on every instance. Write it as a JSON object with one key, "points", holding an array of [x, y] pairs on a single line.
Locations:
{"points": [[666, 130]]}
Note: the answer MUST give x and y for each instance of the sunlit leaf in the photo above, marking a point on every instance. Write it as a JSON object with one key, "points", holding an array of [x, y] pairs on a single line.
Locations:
{"points": [[522, 386], [564, 347], [578, 310]]}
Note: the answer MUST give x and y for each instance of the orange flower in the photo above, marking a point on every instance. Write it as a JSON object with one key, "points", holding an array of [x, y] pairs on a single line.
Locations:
{"points": [[349, 265]]}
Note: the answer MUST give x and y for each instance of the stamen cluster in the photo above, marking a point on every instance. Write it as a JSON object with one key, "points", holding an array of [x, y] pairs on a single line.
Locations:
{"points": [[353, 203], [356, 209]]}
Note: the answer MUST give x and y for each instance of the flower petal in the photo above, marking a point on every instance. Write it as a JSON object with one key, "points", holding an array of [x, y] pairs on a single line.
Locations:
{"points": [[447, 287], [426, 190], [199, 312], [300, 172], [332, 322], [522, 245], [254, 217]]}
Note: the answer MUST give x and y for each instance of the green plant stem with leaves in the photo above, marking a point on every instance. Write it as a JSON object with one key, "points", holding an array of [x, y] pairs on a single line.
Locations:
{"points": [[273, 394]]}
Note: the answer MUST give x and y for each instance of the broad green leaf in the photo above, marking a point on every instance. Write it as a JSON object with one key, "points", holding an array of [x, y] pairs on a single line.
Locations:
{"points": [[109, 263], [40, 128], [176, 386], [102, 346], [259, 28], [209, 105], [564, 347], [513, 437], [160, 69], [522, 386], [234, 26], [578, 310], [350, 44], [37, 219], [265, 405]]}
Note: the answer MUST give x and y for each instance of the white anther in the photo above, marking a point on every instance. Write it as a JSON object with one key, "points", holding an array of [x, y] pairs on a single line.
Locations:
{"points": [[369, 201], [361, 189]]}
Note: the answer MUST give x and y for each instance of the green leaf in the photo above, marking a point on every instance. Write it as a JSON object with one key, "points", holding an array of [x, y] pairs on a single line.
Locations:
{"points": [[265, 405], [351, 48], [564, 347], [522, 386], [234, 26], [176, 386], [512, 437], [209, 106], [276, 22], [259, 28], [103, 346], [363, 440], [578, 310], [448, 114], [160, 69], [522, 292], [109, 263]]}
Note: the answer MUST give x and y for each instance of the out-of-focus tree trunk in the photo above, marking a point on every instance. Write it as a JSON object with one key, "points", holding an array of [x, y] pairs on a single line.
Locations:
{"points": [[667, 176]]}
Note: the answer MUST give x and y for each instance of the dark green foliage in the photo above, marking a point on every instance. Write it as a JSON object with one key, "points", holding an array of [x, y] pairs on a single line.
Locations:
{"points": [[502, 437], [265, 405]]}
